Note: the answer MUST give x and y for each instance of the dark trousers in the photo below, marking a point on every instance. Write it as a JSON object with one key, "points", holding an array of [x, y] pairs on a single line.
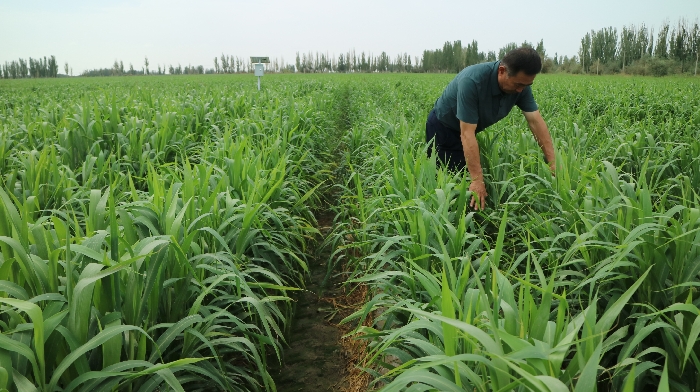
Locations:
{"points": [[448, 144]]}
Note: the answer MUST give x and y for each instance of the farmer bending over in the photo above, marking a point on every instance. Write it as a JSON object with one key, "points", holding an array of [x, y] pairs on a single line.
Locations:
{"points": [[478, 97]]}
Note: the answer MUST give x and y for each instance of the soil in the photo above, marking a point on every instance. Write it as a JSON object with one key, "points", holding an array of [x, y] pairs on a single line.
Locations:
{"points": [[314, 360]]}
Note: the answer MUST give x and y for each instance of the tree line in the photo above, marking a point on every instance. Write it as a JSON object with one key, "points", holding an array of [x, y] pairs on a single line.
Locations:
{"points": [[118, 69], [34, 68], [633, 50], [351, 61], [638, 50]]}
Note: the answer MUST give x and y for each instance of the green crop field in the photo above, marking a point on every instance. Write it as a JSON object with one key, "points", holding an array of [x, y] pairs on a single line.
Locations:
{"points": [[153, 231]]}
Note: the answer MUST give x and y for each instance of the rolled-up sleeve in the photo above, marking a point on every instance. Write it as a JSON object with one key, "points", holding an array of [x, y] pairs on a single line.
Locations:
{"points": [[468, 101]]}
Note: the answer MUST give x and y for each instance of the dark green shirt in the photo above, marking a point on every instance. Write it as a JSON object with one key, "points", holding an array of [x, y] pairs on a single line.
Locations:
{"points": [[474, 97]]}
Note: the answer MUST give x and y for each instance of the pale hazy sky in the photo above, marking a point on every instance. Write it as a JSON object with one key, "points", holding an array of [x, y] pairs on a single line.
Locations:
{"points": [[92, 34]]}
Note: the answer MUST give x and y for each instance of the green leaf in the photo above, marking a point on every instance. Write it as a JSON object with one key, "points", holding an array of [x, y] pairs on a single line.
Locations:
{"points": [[606, 320], [22, 349], [663, 383], [422, 377], [37, 317], [4, 378], [22, 384], [449, 333], [14, 290], [692, 338], [93, 343], [589, 375], [17, 221], [629, 380], [172, 333]]}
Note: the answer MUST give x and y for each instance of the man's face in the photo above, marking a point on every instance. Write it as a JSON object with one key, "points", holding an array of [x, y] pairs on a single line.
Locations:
{"points": [[513, 84]]}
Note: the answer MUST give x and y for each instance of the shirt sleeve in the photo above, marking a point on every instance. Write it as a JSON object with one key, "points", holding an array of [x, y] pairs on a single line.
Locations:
{"points": [[467, 101], [526, 102]]}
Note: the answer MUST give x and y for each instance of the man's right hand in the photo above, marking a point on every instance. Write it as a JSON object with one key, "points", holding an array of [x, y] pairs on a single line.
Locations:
{"points": [[478, 189]]}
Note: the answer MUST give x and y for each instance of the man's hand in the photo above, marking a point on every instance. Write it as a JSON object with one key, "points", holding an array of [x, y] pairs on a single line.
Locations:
{"points": [[479, 194], [544, 139], [471, 155]]}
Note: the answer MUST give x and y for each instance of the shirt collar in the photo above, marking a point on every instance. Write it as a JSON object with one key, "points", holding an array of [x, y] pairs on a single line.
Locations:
{"points": [[495, 90]]}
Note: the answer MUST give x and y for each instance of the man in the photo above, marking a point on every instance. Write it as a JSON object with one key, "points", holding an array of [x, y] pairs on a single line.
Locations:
{"points": [[478, 97]]}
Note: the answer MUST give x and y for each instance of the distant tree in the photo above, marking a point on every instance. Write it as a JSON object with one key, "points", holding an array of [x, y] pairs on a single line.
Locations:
{"points": [[23, 69], [354, 61], [458, 55], [472, 55], [642, 42], [540, 50], [65, 68], [383, 62], [680, 43], [584, 52], [662, 41], [224, 64], [634, 44], [604, 45], [695, 44], [398, 63], [447, 61], [342, 66], [417, 65], [145, 63], [504, 50]]}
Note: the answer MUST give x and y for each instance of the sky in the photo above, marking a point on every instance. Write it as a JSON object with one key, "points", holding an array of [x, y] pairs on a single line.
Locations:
{"points": [[93, 34]]}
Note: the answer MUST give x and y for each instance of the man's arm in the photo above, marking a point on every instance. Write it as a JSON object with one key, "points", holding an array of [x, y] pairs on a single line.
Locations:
{"points": [[541, 133], [471, 154]]}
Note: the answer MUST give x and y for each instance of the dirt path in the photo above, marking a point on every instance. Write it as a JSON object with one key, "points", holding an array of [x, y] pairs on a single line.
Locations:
{"points": [[314, 360]]}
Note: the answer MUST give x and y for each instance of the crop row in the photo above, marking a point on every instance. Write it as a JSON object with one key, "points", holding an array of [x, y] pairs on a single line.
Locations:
{"points": [[584, 282], [150, 234]]}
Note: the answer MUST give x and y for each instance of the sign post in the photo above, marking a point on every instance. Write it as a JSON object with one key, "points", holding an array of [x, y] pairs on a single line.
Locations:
{"points": [[259, 67]]}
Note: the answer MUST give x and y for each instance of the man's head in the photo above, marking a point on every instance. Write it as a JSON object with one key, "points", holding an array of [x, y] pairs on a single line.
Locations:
{"points": [[518, 69]]}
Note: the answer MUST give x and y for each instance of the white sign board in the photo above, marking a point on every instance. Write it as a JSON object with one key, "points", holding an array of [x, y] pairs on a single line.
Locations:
{"points": [[259, 69]]}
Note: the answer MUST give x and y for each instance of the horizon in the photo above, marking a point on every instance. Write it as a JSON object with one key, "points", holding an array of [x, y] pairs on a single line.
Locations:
{"points": [[91, 36]]}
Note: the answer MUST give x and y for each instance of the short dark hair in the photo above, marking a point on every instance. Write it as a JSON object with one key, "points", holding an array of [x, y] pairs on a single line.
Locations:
{"points": [[523, 59]]}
